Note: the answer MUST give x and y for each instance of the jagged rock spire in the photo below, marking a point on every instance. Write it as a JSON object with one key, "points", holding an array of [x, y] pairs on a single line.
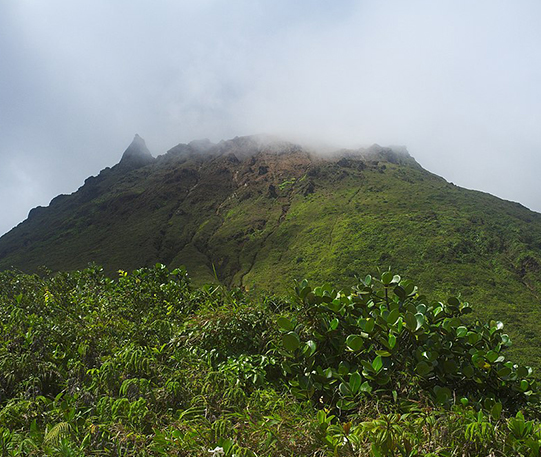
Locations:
{"points": [[137, 155]]}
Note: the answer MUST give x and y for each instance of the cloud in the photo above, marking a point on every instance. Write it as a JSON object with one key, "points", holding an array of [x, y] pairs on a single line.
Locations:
{"points": [[455, 81]]}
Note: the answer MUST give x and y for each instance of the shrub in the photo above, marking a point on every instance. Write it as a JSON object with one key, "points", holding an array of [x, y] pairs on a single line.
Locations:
{"points": [[382, 337]]}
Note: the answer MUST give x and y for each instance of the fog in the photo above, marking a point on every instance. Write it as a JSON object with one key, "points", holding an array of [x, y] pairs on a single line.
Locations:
{"points": [[457, 82]]}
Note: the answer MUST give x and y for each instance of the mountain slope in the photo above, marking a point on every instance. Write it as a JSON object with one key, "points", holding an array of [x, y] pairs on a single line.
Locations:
{"points": [[260, 212]]}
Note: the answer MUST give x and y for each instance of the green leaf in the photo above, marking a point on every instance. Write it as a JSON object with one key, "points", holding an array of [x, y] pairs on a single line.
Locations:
{"points": [[392, 341], [377, 364], [506, 340], [346, 405], [411, 321], [286, 367], [443, 394], [367, 366], [387, 278], [423, 368], [468, 371], [343, 368], [421, 308], [492, 356], [366, 387], [344, 390], [432, 355], [461, 331], [400, 292], [496, 411], [370, 323], [291, 341], [451, 323], [355, 382], [305, 290], [333, 324], [355, 342], [335, 305], [410, 288], [420, 318], [393, 316], [309, 348], [383, 353], [321, 417], [453, 302], [366, 325], [285, 324]]}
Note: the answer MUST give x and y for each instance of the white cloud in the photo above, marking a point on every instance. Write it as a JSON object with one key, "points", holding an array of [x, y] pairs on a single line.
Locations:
{"points": [[455, 81]]}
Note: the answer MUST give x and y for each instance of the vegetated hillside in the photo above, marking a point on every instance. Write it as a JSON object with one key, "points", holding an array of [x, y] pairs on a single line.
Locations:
{"points": [[259, 212], [147, 365]]}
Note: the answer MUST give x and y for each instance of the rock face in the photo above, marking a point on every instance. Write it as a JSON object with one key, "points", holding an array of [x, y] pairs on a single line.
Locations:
{"points": [[137, 155]]}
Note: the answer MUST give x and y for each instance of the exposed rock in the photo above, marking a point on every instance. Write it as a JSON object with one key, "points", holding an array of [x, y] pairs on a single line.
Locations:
{"points": [[137, 155], [34, 212], [309, 189], [272, 192]]}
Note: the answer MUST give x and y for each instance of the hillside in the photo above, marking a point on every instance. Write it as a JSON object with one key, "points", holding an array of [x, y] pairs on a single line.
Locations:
{"points": [[258, 212]]}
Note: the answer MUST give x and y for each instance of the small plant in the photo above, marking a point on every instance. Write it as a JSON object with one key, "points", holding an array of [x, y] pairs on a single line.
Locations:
{"points": [[286, 183]]}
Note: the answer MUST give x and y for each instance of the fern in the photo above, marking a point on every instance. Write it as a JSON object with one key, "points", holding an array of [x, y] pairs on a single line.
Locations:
{"points": [[55, 434]]}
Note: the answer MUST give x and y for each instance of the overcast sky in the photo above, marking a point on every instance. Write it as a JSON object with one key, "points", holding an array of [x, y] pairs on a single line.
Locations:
{"points": [[457, 82]]}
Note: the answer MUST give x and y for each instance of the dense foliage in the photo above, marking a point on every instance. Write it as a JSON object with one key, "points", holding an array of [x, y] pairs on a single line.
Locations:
{"points": [[147, 364], [384, 333]]}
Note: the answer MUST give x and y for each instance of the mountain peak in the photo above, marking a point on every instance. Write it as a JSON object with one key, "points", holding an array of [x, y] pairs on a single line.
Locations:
{"points": [[136, 155]]}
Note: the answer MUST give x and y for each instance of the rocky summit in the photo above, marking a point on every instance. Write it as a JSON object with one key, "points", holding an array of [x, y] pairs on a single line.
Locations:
{"points": [[137, 155]]}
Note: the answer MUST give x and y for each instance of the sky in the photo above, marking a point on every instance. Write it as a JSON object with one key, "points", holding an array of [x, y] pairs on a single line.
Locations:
{"points": [[455, 81]]}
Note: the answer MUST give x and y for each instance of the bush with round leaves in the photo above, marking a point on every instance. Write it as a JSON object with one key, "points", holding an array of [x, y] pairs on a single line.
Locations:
{"points": [[383, 337]]}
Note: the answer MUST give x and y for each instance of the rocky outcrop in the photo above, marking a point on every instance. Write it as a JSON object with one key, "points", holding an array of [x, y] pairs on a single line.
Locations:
{"points": [[137, 155]]}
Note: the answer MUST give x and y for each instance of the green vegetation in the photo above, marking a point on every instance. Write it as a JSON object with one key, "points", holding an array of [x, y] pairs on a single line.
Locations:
{"points": [[385, 336], [150, 365], [242, 210]]}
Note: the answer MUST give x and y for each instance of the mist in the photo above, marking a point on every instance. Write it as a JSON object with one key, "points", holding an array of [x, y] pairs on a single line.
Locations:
{"points": [[456, 82]]}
